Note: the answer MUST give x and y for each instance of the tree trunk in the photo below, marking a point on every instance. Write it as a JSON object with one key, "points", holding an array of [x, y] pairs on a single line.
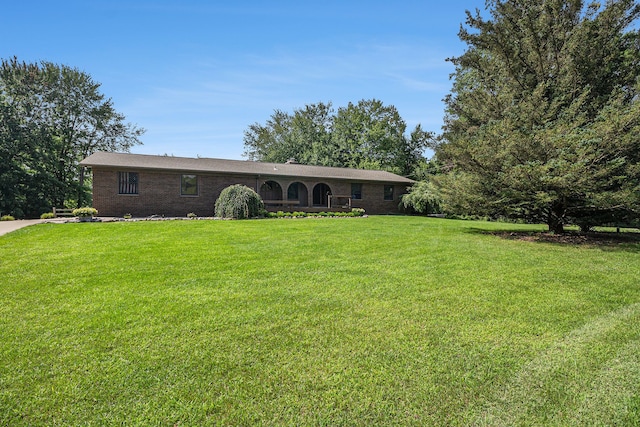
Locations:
{"points": [[556, 225], [555, 218]]}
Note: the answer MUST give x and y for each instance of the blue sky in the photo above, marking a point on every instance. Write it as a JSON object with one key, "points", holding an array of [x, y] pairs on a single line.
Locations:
{"points": [[196, 74]]}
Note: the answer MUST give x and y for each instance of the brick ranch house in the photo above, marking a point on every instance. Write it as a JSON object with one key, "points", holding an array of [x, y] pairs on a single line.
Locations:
{"points": [[145, 185]]}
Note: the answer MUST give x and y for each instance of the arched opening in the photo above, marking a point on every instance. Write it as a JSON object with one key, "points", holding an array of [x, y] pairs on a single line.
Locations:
{"points": [[271, 190], [298, 191], [320, 194]]}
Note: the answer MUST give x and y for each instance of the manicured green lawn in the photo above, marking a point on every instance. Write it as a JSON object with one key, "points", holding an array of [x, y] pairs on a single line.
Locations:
{"points": [[367, 321]]}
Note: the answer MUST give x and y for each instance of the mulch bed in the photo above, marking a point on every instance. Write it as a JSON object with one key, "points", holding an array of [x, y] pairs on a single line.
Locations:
{"points": [[573, 238]]}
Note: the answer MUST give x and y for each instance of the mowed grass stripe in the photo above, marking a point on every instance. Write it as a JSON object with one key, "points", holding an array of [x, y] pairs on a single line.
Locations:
{"points": [[588, 378], [380, 320]]}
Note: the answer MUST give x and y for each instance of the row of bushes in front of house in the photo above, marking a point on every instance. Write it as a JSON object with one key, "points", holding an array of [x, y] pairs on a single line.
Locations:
{"points": [[280, 214]]}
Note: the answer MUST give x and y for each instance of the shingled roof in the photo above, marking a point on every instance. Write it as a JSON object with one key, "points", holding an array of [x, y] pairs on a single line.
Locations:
{"points": [[239, 167]]}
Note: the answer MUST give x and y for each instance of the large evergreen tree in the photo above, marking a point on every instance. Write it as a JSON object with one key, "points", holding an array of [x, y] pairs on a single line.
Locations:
{"points": [[51, 117], [542, 122]]}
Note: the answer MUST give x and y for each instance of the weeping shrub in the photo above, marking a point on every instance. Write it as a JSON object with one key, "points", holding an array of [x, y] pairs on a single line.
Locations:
{"points": [[238, 202], [422, 198]]}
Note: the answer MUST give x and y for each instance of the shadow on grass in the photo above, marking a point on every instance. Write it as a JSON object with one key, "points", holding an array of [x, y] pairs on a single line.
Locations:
{"points": [[609, 241]]}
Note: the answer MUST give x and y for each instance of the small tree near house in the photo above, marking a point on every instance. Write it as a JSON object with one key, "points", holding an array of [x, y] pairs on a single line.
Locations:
{"points": [[238, 202]]}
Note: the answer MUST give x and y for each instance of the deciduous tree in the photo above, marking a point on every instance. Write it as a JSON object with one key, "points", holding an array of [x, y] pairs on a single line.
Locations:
{"points": [[304, 136], [366, 135], [51, 117]]}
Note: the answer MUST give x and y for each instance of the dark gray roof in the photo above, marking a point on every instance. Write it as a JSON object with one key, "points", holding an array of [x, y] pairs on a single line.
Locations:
{"points": [[241, 167]]}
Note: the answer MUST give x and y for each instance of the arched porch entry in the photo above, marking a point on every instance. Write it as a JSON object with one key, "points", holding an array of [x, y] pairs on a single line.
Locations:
{"points": [[271, 190], [321, 194], [298, 191]]}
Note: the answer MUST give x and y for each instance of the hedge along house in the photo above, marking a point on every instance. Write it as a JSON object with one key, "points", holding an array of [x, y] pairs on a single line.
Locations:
{"points": [[145, 185]]}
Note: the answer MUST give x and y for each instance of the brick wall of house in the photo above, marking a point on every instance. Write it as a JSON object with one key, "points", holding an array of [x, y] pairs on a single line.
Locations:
{"points": [[159, 193]]}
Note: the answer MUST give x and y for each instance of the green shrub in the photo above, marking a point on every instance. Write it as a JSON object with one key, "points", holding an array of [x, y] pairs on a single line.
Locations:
{"points": [[47, 215], [423, 198], [355, 212], [127, 216], [238, 202], [85, 212], [7, 218]]}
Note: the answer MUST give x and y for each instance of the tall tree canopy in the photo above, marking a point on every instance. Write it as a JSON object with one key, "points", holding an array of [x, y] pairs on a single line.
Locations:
{"points": [[366, 135], [543, 121], [51, 117]]}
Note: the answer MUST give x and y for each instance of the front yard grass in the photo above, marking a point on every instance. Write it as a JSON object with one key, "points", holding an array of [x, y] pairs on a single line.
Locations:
{"points": [[372, 321]]}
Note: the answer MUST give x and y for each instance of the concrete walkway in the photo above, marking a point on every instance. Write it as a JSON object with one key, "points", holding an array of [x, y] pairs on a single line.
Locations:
{"points": [[9, 226]]}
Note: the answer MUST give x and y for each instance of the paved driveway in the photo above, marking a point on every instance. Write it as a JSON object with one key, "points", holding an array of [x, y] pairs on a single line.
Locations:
{"points": [[9, 226]]}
